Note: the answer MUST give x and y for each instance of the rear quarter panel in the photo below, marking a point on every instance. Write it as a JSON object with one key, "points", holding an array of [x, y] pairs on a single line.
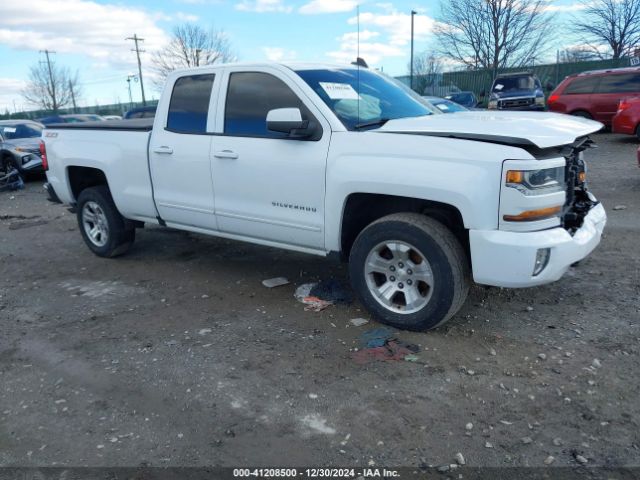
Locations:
{"points": [[120, 155]]}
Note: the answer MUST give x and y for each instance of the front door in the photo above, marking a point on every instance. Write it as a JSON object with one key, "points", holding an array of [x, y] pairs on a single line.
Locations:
{"points": [[268, 186]]}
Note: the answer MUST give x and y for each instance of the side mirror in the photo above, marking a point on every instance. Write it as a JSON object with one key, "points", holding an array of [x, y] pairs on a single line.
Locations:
{"points": [[289, 121]]}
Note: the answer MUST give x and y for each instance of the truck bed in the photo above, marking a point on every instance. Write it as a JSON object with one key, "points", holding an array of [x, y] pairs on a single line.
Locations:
{"points": [[136, 124]]}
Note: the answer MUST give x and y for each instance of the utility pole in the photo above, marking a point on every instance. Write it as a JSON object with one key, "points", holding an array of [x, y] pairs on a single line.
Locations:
{"points": [[137, 39], [129, 86], [413, 13], [52, 85], [73, 96]]}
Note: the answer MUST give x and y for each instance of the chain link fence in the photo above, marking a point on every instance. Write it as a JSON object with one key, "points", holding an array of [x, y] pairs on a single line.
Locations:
{"points": [[479, 81]]}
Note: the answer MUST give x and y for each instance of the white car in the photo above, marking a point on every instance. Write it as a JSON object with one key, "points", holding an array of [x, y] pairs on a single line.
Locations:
{"points": [[341, 160]]}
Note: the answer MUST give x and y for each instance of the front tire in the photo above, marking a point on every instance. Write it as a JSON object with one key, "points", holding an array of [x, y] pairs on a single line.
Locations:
{"points": [[409, 271], [103, 229]]}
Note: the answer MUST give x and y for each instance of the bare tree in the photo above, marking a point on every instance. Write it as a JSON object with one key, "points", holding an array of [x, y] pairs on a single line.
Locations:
{"points": [[192, 46], [579, 54], [51, 87], [426, 67], [612, 23], [493, 34]]}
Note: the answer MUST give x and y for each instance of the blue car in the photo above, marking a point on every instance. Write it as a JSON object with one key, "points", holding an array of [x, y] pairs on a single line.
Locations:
{"points": [[445, 106]]}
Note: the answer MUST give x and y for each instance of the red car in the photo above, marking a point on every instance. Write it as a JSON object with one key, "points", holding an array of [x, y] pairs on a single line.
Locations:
{"points": [[627, 120], [595, 94]]}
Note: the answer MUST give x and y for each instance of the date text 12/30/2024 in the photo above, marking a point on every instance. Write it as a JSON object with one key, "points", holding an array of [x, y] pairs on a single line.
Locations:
{"points": [[315, 473]]}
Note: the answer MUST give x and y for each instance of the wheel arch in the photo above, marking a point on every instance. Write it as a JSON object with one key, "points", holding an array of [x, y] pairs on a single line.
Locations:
{"points": [[362, 209], [81, 178]]}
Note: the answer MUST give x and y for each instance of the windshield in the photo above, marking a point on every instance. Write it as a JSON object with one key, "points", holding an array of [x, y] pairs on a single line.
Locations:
{"points": [[20, 130], [506, 84], [374, 100]]}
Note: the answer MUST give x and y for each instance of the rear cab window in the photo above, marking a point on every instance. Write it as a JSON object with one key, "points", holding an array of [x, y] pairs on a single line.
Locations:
{"points": [[189, 105]]}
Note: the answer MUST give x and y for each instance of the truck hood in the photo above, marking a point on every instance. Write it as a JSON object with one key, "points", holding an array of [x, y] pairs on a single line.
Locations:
{"points": [[519, 129]]}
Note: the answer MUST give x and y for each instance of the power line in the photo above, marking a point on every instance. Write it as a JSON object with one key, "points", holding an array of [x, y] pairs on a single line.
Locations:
{"points": [[137, 39]]}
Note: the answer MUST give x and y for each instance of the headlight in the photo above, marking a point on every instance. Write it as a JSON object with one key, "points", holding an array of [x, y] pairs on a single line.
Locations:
{"points": [[20, 149], [536, 182], [493, 104], [539, 100]]}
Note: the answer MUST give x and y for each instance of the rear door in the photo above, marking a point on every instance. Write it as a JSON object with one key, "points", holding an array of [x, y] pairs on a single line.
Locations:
{"points": [[179, 152], [577, 96], [611, 89]]}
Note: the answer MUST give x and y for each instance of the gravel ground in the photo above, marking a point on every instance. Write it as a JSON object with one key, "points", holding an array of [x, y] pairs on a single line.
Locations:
{"points": [[176, 355]]}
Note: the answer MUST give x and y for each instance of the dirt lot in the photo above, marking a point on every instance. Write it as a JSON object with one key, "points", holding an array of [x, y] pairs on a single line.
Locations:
{"points": [[175, 354]]}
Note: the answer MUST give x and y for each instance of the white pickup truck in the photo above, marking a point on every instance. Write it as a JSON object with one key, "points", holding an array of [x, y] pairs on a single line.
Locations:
{"points": [[341, 159]]}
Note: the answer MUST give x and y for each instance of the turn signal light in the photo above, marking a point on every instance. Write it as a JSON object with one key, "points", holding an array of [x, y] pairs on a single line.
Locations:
{"points": [[582, 176], [533, 215], [515, 176]]}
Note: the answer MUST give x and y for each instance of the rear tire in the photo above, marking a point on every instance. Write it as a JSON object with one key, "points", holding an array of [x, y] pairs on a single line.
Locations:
{"points": [[582, 114], [409, 271], [103, 229]]}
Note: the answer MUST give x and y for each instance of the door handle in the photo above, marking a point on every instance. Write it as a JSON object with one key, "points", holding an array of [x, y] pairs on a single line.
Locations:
{"points": [[226, 154], [164, 150]]}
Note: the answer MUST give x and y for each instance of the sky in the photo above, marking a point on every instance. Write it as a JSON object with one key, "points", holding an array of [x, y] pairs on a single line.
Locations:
{"points": [[89, 36]]}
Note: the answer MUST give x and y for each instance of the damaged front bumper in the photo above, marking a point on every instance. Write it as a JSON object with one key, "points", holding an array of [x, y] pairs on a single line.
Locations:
{"points": [[508, 259]]}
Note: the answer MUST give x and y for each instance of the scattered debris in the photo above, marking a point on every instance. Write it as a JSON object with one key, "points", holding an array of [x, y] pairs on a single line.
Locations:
{"points": [[315, 304], [488, 445], [529, 308], [581, 459], [620, 207], [389, 351], [526, 440], [275, 282], [11, 181], [549, 460], [317, 424], [542, 356], [469, 426], [358, 322], [376, 337], [204, 331], [411, 358], [332, 290], [460, 459], [596, 363], [557, 441], [492, 352]]}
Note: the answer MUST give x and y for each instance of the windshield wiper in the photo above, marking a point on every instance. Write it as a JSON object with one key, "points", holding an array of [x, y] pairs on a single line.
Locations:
{"points": [[375, 123]]}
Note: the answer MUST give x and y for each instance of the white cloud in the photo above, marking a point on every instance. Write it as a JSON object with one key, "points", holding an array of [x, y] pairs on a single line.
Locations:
{"points": [[277, 54], [262, 6], [187, 17], [364, 36], [373, 53], [327, 6], [10, 89], [573, 7], [397, 25], [63, 26]]}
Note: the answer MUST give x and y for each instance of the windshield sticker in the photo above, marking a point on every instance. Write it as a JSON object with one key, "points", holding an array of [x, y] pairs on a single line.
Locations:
{"points": [[339, 91], [498, 86], [9, 129]]}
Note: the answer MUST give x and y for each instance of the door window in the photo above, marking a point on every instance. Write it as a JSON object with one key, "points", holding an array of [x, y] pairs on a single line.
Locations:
{"points": [[250, 96], [621, 83], [581, 85], [189, 106]]}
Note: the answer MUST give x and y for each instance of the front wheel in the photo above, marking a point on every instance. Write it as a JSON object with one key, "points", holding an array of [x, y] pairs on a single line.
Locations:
{"points": [[409, 271], [102, 227]]}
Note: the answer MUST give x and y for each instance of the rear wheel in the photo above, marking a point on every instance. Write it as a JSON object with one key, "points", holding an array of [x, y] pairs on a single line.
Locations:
{"points": [[583, 114], [102, 227], [410, 271]]}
